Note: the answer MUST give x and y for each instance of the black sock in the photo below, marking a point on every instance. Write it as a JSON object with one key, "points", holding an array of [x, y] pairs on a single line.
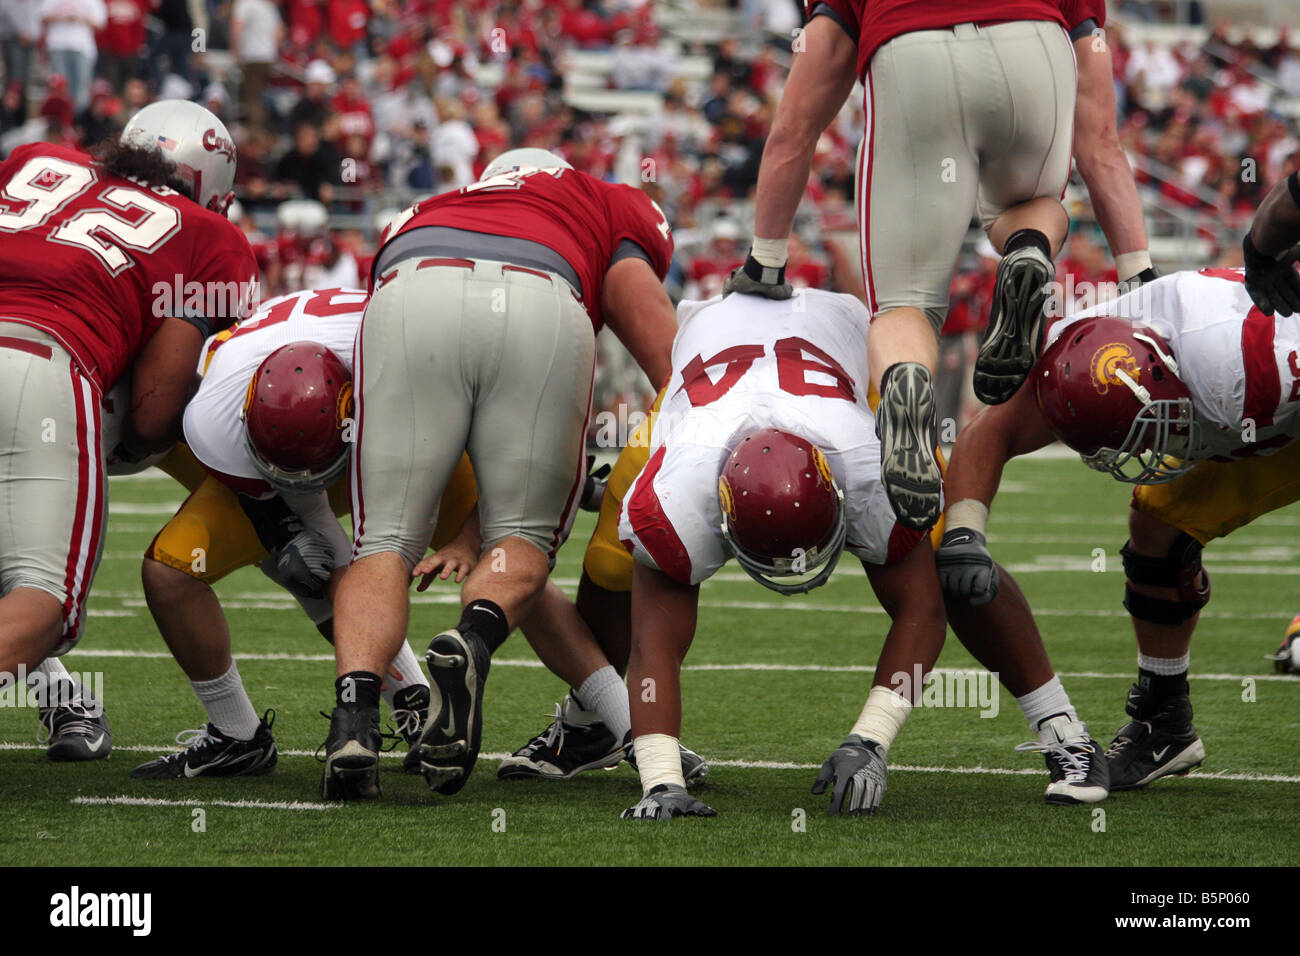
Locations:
{"points": [[1028, 237], [358, 687], [1162, 686], [487, 620]]}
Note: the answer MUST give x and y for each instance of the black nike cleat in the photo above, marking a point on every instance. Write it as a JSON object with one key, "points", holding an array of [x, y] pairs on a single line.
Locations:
{"points": [[694, 767], [1010, 345], [75, 732], [210, 753], [906, 427], [1075, 763], [410, 711], [1160, 741], [352, 754], [563, 750], [458, 664]]}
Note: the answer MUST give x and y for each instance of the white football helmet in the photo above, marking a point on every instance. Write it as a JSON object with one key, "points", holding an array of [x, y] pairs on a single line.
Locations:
{"points": [[195, 142], [530, 156]]}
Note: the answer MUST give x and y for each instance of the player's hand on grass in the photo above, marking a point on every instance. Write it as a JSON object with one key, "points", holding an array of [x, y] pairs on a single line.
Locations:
{"points": [[856, 773], [754, 278], [666, 801], [456, 558], [304, 565], [1273, 283], [965, 567]]}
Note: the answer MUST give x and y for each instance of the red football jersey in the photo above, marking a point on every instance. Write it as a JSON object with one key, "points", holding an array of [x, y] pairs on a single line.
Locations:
{"points": [[874, 23], [576, 215], [100, 262], [1077, 11]]}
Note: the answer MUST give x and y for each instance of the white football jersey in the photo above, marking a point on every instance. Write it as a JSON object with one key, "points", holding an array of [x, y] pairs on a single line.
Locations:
{"points": [[213, 428], [1241, 367], [745, 362]]}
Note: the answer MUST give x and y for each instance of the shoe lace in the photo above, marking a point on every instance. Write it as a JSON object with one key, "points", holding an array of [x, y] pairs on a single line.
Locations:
{"points": [[1123, 741], [1073, 759], [196, 738], [552, 736], [80, 722], [409, 722]]}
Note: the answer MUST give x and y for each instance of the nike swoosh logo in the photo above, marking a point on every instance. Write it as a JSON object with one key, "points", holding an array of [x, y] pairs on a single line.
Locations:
{"points": [[450, 729], [1159, 755], [964, 539], [94, 748]]}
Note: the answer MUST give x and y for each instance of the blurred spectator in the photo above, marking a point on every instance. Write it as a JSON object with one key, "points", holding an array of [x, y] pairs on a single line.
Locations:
{"points": [[454, 148], [70, 27], [180, 19], [255, 34], [20, 29], [104, 117], [314, 106], [122, 40], [313, 166], [639, 67]]}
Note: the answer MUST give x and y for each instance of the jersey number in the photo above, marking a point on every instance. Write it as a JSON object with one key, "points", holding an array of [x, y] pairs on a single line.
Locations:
{"points": [[792, 369], [47, 184]]}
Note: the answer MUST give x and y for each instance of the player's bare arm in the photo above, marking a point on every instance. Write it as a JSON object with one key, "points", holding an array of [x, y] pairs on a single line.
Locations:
{"points": [[639, 312], [162, 383], [1271, 248]]}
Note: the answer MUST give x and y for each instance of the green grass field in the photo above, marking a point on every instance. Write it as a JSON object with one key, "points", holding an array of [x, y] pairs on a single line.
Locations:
{"points": [[771, 687]]}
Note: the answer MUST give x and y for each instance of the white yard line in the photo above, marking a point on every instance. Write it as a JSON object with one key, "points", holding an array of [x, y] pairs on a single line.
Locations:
{"points": [[125, 801]]}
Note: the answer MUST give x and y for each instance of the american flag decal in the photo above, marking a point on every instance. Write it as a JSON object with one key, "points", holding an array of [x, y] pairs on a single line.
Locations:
{"points": [[166, 142]]}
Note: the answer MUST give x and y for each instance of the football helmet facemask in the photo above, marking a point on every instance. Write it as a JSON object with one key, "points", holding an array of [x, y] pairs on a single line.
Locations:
{"points": [[298, 403], [783, 514], [1110, 389]]}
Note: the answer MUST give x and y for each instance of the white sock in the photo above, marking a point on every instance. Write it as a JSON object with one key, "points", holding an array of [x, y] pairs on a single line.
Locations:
{"points": [[53, 673], [227, 704], [1165, 666], [405, 663], [605, 693], [1046, 701]]}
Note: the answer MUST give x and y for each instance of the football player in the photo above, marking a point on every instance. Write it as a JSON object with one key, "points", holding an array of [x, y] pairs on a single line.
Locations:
{"points": [[764, 450], [969, 109], [1193, 396], [93, 249], [266, 450], [480, 337]]}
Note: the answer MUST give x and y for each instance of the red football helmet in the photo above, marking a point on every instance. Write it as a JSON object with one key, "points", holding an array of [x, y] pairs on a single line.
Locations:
{"points": [[782, 512], [298, 401], [1110, 390]]}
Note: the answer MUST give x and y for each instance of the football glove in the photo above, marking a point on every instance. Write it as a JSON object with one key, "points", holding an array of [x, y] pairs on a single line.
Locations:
{"points": [[593, 492], [965, 567], [303, 566], [666, 801], [857, 772], [754, 278], [1272, 283]]}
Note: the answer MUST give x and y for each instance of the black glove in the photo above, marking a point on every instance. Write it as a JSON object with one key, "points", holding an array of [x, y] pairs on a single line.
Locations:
{"points": [[665, 801], [965, 566], [754, 278], [857, 770], [593, 492], [303, 566], [1273, 283]]}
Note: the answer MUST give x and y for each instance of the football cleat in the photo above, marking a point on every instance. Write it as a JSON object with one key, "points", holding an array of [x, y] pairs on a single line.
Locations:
{"points": [[1160, 741], [410, 711], [1286, 659], [352, 754], [905, 425], [74, 731], [1075, 762], [564, 749], [1010, 344], [210, 753], [458, 664], [694, 767]]}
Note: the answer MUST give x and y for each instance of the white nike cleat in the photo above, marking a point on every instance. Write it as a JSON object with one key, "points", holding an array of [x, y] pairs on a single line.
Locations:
{"points": [[1078, 768]]}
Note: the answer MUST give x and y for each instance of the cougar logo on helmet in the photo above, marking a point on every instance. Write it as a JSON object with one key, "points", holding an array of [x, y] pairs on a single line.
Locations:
{"points": [[214, 142], [1107, 359]]}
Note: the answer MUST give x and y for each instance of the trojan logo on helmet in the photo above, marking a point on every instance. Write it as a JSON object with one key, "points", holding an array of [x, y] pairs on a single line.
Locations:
{"points": [[1110, 390], [783, 514], [297, 405]]}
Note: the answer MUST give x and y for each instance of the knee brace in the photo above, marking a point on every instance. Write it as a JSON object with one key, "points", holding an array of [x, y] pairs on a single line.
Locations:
{"points": [[1179, 569]]}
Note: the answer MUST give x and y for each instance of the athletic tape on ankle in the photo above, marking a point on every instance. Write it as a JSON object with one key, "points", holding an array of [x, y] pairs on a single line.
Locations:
{"points": [[882, 716], [770, 252], [1129, 264], [967, 513], [659, 759]]}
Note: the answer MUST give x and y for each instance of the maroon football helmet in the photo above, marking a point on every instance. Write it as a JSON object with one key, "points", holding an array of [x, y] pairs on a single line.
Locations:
{"points": [[1110, 390], [298, 401], [782, 512]]}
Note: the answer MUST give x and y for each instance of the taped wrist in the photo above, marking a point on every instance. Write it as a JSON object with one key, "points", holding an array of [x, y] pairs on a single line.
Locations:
{"points": [[968, 513], [659, 760], [883, 716], [770, 252]]}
